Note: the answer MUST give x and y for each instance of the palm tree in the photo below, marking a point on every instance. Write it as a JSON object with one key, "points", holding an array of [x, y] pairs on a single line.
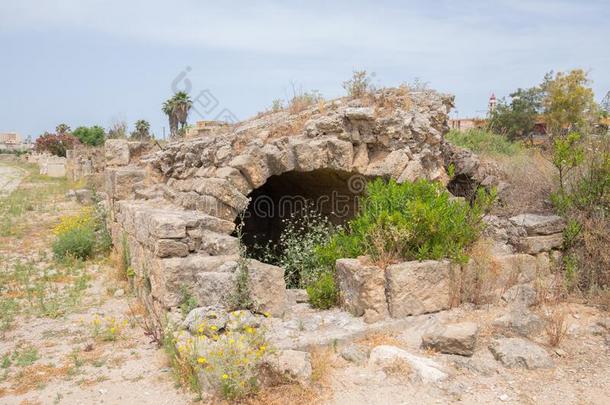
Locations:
{"points": [[170, 110], [62, 129], [142, 132], [182, 106]]}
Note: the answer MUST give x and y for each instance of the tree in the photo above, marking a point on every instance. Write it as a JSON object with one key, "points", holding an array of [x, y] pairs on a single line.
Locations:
{"points": [[182, 106], [93, 136], [62, 129], [567, 154], [55, 144], [177, 109], [517, 119], [569, 104], [169, 110], [142, 131]]}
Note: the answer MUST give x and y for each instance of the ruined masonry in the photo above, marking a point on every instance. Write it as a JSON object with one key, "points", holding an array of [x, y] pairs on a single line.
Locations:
{"points": [[174, 210]]}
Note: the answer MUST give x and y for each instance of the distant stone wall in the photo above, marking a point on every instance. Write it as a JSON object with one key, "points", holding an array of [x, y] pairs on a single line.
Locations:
{"points": [[85, 163]]}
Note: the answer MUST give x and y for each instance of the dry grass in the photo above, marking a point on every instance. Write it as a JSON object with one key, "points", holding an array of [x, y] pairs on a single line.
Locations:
{"points": [[531, 176], [398, 368], [377, 339], [555, 326], [35, 376], [477, 281]]}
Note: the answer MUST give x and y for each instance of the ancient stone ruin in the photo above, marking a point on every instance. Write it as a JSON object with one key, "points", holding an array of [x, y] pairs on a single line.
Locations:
{"points": [[174, 210]]}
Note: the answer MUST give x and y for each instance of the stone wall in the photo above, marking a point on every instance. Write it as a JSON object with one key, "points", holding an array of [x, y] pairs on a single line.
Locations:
{"points": [[174, 210], [85, 163]]}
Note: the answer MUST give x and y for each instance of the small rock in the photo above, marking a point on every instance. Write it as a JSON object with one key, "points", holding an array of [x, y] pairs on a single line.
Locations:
{"points": [[354, 353], [206, 320], [560, 353], [119, 293], [427, 370], [457, 338], [520, 295], [504, 397], [517, 352], [292, 365], [519, 321], [239, 320]]}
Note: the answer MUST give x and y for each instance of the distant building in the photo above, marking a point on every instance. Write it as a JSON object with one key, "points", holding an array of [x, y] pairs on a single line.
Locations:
{"points": [[491, 105], [464, 124], [10, 138]]}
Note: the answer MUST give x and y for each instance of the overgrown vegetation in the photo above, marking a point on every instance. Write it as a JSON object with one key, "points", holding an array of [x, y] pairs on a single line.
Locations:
{"points": [[408, 221], [484, 142]]}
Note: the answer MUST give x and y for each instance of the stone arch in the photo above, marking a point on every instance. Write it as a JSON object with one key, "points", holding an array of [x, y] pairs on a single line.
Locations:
{"points": [[331, 193]]}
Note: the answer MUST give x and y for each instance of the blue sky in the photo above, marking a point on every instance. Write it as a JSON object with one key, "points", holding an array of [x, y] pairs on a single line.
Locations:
{"points": [[87, 62]]}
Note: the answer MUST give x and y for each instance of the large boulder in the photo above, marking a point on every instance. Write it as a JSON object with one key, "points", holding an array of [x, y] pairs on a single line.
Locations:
{"points": [[519, 321], [415, 287], [362, 288], [517, 352], [457, 338], [206, 320], [116, 152]]}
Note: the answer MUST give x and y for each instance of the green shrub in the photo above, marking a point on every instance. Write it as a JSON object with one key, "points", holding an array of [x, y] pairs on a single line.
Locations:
{"points": [[77, 242], [484, 142], [93, 136], [322, 292], [408, 221]]}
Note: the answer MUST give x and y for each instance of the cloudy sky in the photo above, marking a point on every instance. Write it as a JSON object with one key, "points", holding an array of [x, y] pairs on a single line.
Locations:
{"points": [[87, 62]]}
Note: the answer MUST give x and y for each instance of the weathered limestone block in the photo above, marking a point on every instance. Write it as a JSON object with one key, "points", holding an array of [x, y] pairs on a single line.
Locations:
{"points": [[545, 243], [362, 289], [167, 226], [513, 269], [360, 113], [171, 248], [415, 287], [267, 287], [539, 224], [120, 182], [116, 152], [215, 288], [392, 165], [309, 154], [169, 276], [235, 178], [457, 338], [413, 171], [361, 158], [280, 160], [517, 352], [290, 365], [219, 244], [254, 168], [340, 155], [426, 369], [223, 190]]}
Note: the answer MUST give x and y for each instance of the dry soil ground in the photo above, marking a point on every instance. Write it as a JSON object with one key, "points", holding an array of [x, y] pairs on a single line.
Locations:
{"points": [[50, 352]]}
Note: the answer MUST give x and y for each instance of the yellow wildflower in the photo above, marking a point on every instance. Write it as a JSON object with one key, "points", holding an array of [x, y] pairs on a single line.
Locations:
{"points": [[201, 360], [225, 376]]}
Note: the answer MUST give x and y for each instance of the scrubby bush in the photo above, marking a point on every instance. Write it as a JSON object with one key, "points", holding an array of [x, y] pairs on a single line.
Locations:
{"points": [[359, 85], [77, 242], [484, 142], [584, 200], [82, 235], [93, 136], [55, 144], [323, 292], [408, 221]]}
